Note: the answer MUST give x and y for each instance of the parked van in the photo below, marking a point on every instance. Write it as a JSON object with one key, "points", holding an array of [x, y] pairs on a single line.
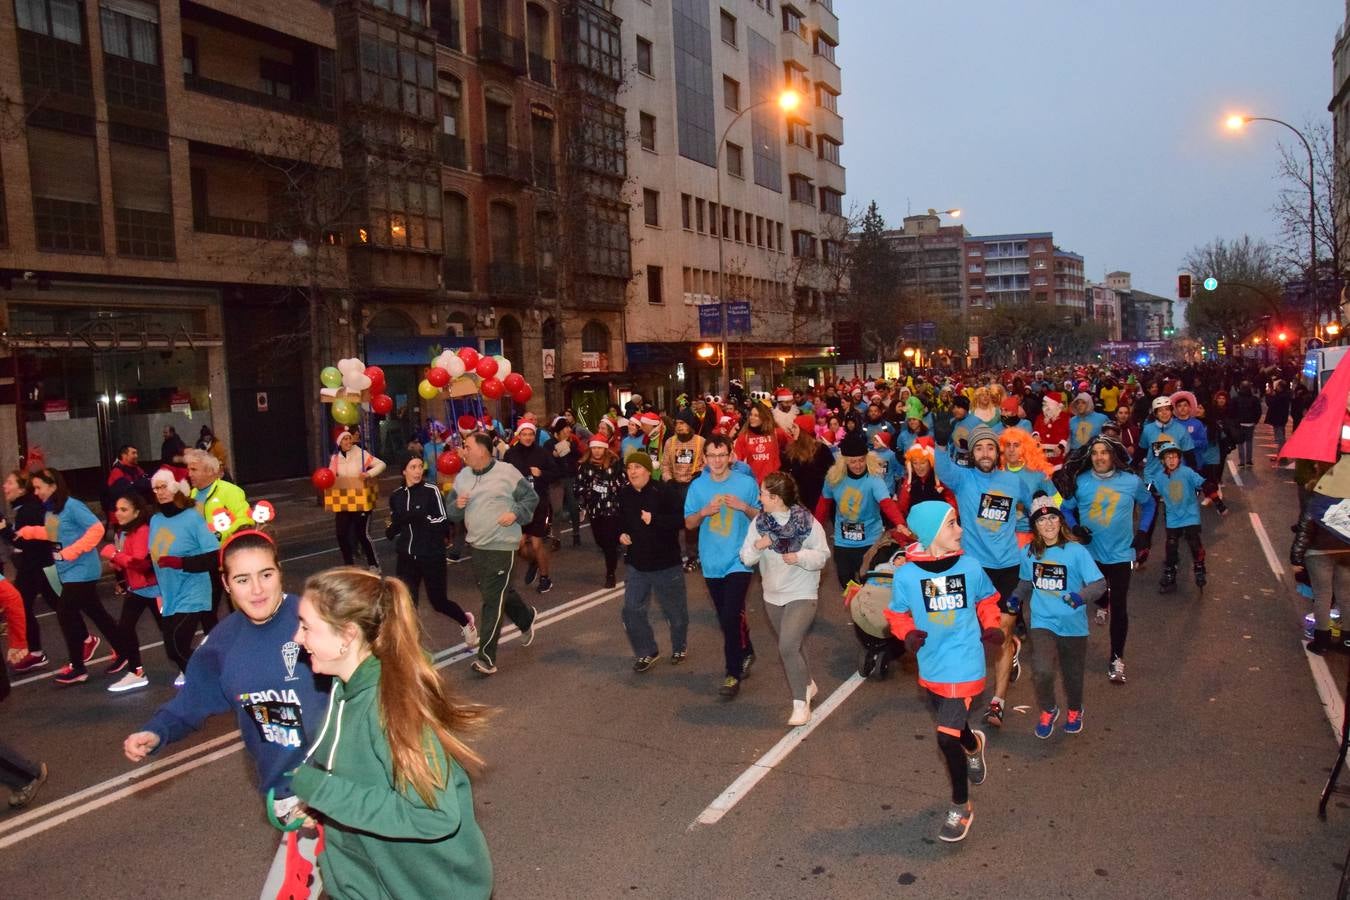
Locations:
{"points": [[1319, 364]]}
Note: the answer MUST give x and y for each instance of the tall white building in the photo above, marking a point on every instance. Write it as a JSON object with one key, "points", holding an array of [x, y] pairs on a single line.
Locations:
{"points": [[692, 68]]}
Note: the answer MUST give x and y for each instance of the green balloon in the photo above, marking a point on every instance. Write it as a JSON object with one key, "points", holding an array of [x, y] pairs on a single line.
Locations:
{"points": [[345, 412], [331, 377]]}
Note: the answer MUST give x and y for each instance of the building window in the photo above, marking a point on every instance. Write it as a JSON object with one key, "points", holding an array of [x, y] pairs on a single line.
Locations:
{"points": [[765, 142], [445, 19], [768, 233], [644, 56], [130, 30], [686, 212], [827, 99], [694, 101], [802, 190], [736, 220], [142, 201], [189, 54], [825, 47], [799, 135], [405, 211], [412, 10], [278, 78], [654, 285], [651, 207], [803, 245], [598, 46], [594, 338], [698, 216], [792, 20], [60, 19], [647, 127], [728, 28], [398, 72], [731, 93], [831, 201], [829, 149], [64, 171], [759, 231], [503, 234], [735, 160], [712, 219]]}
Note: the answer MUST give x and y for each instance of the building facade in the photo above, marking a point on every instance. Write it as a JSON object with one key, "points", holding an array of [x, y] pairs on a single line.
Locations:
{"points": [[1103, 304], [1143, 316], [770, 197], [929, 256], [1021, 270]]}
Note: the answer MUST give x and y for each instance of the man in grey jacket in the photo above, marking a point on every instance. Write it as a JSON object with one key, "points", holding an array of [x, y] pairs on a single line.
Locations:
{"points": [[492, 499]]}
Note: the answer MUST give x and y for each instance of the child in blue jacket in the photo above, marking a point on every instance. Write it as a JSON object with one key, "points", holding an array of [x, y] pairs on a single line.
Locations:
{"points": [[945, 609], [1177, 486], [1059, 578]]}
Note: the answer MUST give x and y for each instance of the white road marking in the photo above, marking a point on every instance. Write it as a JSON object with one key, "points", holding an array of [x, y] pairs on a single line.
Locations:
{"points": [[766, 763], [1328, 692], [1266, 547], [1237, 479], [97, 796]]}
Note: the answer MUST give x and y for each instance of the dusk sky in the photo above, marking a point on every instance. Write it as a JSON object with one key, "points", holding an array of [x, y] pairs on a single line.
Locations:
{"points": [[1099, 121]]}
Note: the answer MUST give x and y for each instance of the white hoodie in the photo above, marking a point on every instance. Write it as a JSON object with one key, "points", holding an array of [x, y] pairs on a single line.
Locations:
{"points": [[784, 583]]}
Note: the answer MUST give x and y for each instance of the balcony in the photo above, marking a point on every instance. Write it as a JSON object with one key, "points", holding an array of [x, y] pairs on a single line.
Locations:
{"points": [[541, 70], [453, 153], [456, 274], [244, 228], [505, 161], [502, 49], [237, 94], [512, 279]]}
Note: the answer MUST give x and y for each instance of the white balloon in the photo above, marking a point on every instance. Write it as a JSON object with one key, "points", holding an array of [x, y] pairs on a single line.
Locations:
{"points": [[346, 366], [503, 366], [356, 381], [443, 361], [455, 366]]}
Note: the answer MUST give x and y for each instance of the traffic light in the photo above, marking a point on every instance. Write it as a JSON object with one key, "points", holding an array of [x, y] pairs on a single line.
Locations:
{"points": [[1184, 286], [1282, 336]]}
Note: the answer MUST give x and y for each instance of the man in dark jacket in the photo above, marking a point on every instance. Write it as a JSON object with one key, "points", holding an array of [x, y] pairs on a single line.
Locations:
{"points": [[1247, 411], [651, 520], [171, 450], [125, 477], [1278, 401], [537, 466]]}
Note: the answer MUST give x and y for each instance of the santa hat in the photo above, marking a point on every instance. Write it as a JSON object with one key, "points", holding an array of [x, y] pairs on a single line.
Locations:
{"points": [[883, 437], [805, 422], [649, 420], [166, 476], [1010, 405], [1053, 404], [526, 425], [782, 395], [598, 442], [467, 424]]}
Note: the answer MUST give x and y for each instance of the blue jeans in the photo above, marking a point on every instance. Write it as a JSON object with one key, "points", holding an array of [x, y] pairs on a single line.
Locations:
{"points": [[1279, 438], [668, 585]]}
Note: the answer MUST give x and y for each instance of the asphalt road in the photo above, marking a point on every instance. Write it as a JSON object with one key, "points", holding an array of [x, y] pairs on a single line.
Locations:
{"points": [[1199, 778]]}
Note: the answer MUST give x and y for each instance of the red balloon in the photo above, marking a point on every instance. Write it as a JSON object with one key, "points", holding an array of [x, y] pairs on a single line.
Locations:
{"points": [[522, 394], [449, 463], [382, 404], [491, 388], [376, 376], [469, 357], [438, 376], [513, 382], [323, 479], [487, 367]]}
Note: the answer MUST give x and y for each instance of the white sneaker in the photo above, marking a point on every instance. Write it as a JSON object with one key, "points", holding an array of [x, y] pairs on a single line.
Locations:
{"points": [[801, 712], [470, 632], [133, 679], [1117, 671], [180, 680], [811, 691]]}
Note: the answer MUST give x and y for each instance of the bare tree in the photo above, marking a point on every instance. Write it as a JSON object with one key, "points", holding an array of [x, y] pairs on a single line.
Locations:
{"points": [[1250, 276], [1329, 180]]}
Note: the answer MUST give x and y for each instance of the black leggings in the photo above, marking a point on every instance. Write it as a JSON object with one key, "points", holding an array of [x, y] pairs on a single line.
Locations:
{"points": [[352, 536], [429, 570], [1117, 594], [605, 530], [133, 605], [728, 597], [33, 584], [178, 630], [80, 599], [847, 562], [1192, 535]]}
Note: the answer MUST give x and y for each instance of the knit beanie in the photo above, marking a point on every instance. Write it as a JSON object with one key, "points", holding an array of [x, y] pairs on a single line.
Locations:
{"points": [[853, 444], [640, 458], [981, 433], [1043, 506], [925, 519]]}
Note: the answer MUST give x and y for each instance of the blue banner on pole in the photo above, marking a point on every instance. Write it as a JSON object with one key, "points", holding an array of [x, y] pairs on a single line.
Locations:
{"points": [[710, 320], [738, 317]]}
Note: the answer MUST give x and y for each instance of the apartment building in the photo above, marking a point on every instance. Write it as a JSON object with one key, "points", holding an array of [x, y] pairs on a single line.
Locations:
{"points": [[203, 202], [930, 260], [1143, 316], [1023, 269], [1103, 303], [718, 165]]}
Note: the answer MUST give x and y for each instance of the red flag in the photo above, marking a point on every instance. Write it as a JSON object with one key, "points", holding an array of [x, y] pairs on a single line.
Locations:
{"points": [[1318, 436]]}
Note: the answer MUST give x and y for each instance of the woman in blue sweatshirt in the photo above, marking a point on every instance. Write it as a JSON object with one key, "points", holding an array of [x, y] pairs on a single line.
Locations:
{"points": [[74, 533], [251, 666], [184, 553]]}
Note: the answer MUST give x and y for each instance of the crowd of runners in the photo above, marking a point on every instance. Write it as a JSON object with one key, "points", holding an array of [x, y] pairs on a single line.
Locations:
{"points": [[996, 514]]}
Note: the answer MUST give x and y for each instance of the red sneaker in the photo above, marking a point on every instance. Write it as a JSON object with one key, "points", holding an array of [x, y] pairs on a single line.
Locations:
{"points": [[90, 646], [31, 661], [68, 675]]}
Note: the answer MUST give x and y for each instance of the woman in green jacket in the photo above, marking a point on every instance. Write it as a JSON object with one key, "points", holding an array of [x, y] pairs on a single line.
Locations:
{"points": [[388, 775]]}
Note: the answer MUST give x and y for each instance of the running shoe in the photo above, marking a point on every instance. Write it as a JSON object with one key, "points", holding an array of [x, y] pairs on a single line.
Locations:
{"points": [[1017, 661], [975, 761], [129, 682], [527, 636], [643, 663], [801, 713], [34, 660], [746, 662], [609, 581], [68, 675], [180, 680], [811, 691], [731, 686], [1073, 721], [117, 666], [532, 571], [678, 657], [24, 795], [1117, 671], [993, 716], [957, 825], [691, 564], [470, 632], [1046, 726], [545, 584], [482, 668], [1101, 616], [90, 646]]}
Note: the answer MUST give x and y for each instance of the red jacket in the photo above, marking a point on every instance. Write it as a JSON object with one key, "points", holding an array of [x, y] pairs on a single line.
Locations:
{"points": [[131, 556], [11, 608], [1054, 436]]}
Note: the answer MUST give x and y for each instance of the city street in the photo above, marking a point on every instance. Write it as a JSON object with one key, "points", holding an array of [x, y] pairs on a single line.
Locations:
{"points": [[1198, 778]]}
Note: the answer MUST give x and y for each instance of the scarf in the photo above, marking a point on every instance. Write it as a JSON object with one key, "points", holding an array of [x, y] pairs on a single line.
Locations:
{"points": [[788, 536]]}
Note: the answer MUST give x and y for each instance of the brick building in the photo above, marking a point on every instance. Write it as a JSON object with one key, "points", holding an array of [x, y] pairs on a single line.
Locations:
{"points": [[1021, 270], [929, 257]]}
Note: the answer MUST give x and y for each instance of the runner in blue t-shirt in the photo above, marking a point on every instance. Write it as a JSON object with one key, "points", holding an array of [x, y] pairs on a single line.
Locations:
{"points": [[1178, 486]]}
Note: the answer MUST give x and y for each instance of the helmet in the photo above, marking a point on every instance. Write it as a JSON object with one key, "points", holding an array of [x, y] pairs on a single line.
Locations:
{"points": [[1160, 402], [1161, 447]]}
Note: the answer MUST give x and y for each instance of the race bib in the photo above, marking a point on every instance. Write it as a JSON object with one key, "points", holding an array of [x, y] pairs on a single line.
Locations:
{"points": [[684, 457], [1052, 578], [885, 467], [995, 508], [944, 593], [853, 531], [277, 716]]}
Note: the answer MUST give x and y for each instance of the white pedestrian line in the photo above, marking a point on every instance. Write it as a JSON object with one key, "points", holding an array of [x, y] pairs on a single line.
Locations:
{"points": [[97, 796], [1328, 692], [766, 763], [1266, 547], [1237, 479]]}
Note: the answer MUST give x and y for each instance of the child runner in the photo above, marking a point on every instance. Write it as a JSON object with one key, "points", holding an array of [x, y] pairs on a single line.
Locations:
{"points": [[949, 594], [129, 554], [1177, 486], [1060, 578]]}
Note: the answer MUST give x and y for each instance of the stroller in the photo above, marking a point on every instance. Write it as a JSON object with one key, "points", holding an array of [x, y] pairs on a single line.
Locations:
{"points": [[867, 602]]}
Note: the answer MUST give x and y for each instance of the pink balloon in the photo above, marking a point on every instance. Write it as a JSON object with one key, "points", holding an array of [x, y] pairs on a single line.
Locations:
{"points": [[522, 394], [491, 388], [513, 382], [487, 367], [469, 357]]}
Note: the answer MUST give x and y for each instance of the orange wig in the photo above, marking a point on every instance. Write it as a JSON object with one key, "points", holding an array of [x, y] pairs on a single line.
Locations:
{"points": [[1033, 457]]}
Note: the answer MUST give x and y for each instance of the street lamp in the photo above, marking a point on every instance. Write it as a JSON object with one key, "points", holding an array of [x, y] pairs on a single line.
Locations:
{"points": [[787, 101], [1235, 123], [954, 213]]}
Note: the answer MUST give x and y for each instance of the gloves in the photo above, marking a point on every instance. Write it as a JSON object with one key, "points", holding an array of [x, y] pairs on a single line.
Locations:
{"points": [[992, 636], [1083, 533], [562, 448], [1012, 606], [914, 640], [171, 562], [1074, 599], [942, 432]]}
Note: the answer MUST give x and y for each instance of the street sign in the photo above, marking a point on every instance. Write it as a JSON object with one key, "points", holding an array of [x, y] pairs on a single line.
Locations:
{"points": [[1314, 344], [1211, 283], [973, 347]]}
